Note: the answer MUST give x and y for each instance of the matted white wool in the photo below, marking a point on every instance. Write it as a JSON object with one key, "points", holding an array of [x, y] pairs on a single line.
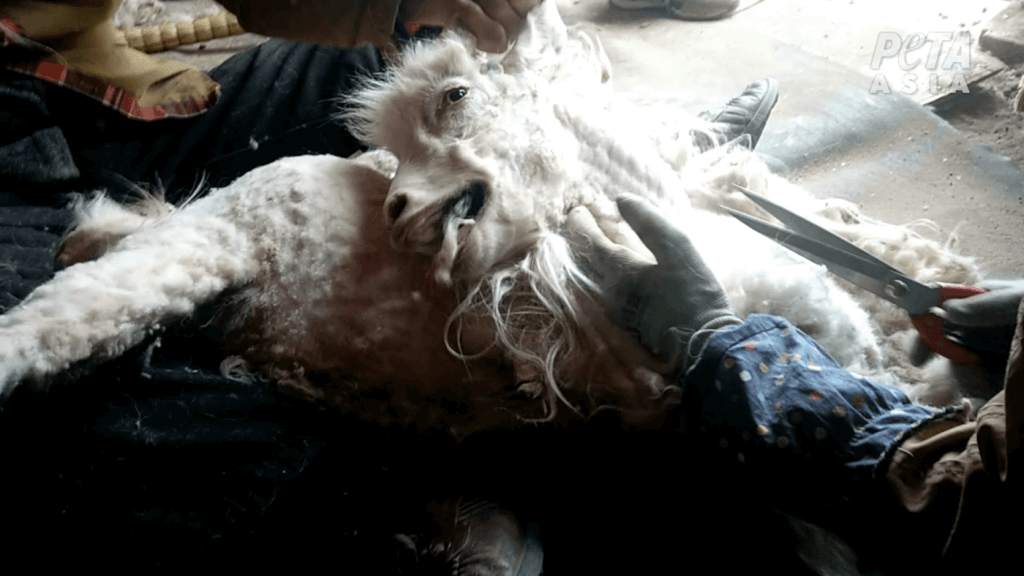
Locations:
{"points": [[97, 310], [102, 212]]}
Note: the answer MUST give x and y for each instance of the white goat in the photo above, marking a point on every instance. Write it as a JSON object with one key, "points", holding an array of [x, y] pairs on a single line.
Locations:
{"points": [[462, 307]]}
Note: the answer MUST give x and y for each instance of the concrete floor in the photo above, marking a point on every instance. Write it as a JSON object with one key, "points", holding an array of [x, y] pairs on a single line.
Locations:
{"points": [[896, 159]]}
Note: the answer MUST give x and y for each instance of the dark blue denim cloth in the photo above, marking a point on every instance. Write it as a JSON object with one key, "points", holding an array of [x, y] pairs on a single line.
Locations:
{"points": [[767, 401]]}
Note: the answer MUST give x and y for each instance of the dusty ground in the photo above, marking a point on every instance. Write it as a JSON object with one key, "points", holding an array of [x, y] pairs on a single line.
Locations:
{"points": [[986, 116], [884, 152]]}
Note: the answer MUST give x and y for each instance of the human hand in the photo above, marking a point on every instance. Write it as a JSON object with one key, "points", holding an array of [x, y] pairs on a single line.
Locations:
{"points": [[495, 23], [978, 317], [672, 306]]}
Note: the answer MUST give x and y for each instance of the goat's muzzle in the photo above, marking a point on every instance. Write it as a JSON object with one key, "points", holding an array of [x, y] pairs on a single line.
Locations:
{"points": [[422, 230]]}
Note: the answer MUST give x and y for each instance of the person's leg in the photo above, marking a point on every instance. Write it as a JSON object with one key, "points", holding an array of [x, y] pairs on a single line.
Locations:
{"points": [[277, 100]]}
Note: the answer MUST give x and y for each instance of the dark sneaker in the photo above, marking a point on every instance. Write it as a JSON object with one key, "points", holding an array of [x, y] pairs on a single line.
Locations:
{"points": [[702, 9], [743, 118], [639, 4]]}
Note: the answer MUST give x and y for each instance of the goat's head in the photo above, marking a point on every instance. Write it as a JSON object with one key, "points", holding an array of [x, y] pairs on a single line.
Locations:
{"points": [[474, 155], [488, 167]]}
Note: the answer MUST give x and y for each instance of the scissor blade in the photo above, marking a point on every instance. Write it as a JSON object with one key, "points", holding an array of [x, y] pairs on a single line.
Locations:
{"points": [[809, 229], [878, 278]]}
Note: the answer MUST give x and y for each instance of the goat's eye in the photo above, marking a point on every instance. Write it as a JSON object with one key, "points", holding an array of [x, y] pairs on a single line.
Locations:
{"points": [[456, 94]]}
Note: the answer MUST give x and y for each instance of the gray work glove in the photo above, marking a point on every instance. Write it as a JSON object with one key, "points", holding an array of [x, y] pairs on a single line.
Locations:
{"points": [[671, 306], [974, 318]]}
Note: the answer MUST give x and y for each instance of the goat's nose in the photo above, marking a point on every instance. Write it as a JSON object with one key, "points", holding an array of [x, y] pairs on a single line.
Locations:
{"points": [[395, 205]]}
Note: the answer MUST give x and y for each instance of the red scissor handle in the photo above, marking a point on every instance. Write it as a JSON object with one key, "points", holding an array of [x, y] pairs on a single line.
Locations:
{"points": [[929, 326]]}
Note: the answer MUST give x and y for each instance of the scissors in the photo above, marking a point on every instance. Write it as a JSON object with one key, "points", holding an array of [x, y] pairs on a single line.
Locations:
{"points": [[861, 268]]}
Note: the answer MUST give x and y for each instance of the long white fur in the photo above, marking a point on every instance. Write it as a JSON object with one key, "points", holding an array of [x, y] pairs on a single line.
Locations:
{"points": [[538, 127]]}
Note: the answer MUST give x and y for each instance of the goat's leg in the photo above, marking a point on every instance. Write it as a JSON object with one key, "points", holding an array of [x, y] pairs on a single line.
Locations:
{"points": [[99, 309]]}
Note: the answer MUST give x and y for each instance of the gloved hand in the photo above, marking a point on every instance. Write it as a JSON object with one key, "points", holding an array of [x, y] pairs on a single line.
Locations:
{"points": [[673, 305], [983, 317]]}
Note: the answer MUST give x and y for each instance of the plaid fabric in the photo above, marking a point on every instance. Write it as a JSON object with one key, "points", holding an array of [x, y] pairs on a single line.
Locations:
{"points": [[49, 70]]}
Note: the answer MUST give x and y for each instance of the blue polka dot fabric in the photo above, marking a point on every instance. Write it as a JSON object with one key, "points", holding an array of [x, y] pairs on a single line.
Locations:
{"points": [[767, 392]]}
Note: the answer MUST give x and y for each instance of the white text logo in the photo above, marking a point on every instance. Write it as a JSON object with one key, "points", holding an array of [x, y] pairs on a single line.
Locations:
{"points": [[934, 52]]}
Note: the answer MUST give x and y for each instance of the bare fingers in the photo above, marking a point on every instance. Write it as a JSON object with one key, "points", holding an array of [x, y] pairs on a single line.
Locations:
{"points": [[494, 23], [510, 15]]}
